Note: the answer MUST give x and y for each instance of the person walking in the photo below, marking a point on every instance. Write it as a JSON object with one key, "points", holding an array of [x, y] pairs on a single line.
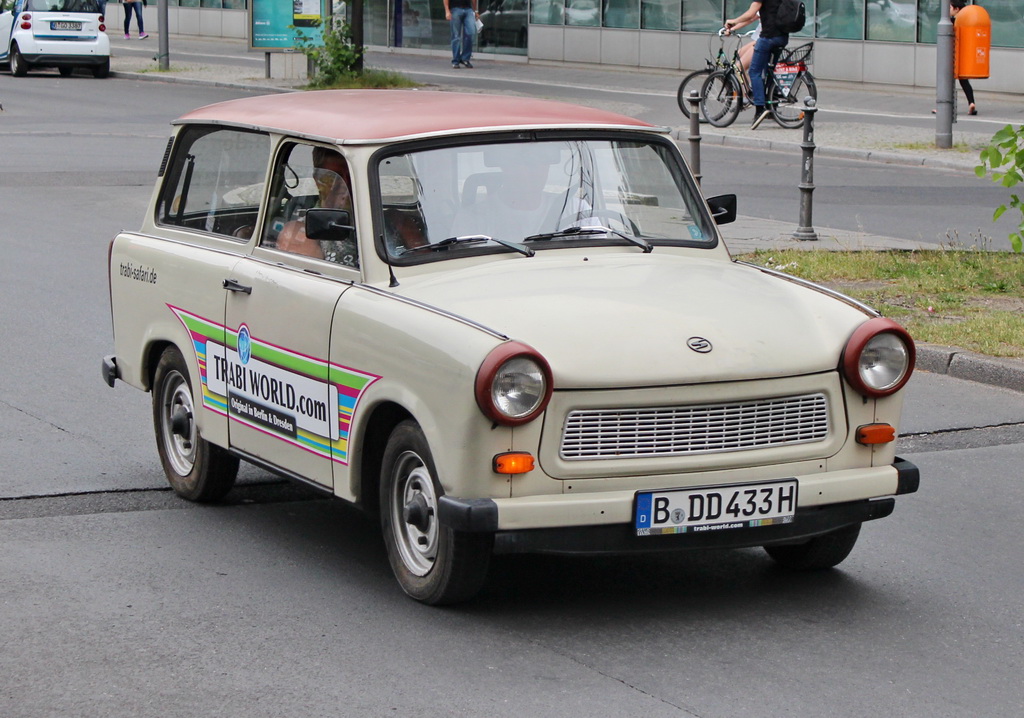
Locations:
{"points": [[462, 14], [135, 6], [955, 6], [771, 39]]}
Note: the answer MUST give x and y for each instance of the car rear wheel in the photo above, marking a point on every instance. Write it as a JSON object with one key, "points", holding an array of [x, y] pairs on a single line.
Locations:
{"points": [[820, 552], [101, 71], [196, 469], [65, 71], [433, 563], [19, 68]]}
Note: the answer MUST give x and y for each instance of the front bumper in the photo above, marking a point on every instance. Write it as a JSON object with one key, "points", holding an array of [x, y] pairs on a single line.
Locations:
{"points": [[483, 515]]}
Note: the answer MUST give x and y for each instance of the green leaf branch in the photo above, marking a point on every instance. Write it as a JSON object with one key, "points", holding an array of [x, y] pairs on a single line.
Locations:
{"points": [[1003, 158]]}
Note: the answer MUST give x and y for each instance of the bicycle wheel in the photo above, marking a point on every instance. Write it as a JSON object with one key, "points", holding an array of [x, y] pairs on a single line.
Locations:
{"points": [[788, 108], [721, 98], [694, 81]]}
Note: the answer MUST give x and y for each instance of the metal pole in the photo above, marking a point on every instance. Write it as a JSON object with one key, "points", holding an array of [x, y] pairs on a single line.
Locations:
{"points": [[694, 100], [944, 42], [164, 43], [806, 231]]}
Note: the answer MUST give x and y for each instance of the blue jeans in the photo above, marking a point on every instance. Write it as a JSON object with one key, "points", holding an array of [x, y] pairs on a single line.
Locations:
{"points": [[759, 62], [463, 30], [137, 7]]}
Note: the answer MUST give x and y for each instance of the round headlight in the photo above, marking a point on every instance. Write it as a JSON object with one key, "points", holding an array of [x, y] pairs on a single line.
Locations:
{"points": [[513, 385], [883, 362], [518, 387], [879, 358]]}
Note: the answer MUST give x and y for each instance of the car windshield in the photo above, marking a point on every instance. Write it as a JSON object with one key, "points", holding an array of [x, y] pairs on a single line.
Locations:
{"points": [[537, 195], [86, 6]]}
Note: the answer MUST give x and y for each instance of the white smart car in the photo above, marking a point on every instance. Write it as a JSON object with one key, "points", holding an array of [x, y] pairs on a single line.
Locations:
{"points": [[54, 33], [502, 324]]}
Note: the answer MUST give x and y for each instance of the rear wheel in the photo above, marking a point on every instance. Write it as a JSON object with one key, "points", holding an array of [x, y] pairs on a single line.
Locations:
{"points": [[820, 552], [101, 71], [196, 469], [788, 108], [432, 563], [721, 98], [19, 68], [65, 71], [692, 82]]}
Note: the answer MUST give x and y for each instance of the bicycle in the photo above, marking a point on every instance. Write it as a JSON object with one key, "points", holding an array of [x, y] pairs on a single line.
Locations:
{"points": [[787, 82], [695, 80]]}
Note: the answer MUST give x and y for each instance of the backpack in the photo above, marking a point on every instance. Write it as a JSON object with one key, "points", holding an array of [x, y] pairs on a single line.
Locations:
{"points": [[790, 16]]}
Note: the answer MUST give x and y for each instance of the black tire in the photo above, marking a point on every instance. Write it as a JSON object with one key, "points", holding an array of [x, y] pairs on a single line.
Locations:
{"points": [[65, 71], [19, 68], [820, 552], [433, 563], [196, 469], [721, 98], [788, 109], [101, 71], [694, 81]]}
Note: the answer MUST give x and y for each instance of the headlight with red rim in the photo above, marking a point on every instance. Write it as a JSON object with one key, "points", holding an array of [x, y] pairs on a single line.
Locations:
{"points": [[513, 384], [879, 358]]}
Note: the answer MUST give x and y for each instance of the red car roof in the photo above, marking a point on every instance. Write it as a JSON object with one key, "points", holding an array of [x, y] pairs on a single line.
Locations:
{"points": [[373, 115]]}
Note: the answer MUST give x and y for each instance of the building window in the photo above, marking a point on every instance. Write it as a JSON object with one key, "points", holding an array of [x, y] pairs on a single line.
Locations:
{"points": [[841, 19], [660, 14]]}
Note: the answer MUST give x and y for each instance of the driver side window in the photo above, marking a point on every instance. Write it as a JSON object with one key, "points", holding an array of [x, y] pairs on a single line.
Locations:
{"points": [[307, 177]]}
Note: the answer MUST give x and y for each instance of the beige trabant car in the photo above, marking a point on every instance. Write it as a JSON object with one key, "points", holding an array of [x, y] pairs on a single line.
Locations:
{"points": [[503, 325]]}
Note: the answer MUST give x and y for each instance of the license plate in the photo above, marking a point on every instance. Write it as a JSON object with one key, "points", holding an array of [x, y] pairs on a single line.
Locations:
{"points": [[64, 25], [715, 508]]}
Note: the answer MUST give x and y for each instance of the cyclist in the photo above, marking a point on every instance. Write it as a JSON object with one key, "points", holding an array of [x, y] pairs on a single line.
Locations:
{"points": [[771, 39]]}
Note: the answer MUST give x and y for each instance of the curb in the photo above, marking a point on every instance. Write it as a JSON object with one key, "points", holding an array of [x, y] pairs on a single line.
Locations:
{"points": [[682, 134], [961, 364]]}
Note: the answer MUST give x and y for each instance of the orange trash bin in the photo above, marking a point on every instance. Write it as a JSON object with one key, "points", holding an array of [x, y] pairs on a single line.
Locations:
{"points": [[973, 41]]}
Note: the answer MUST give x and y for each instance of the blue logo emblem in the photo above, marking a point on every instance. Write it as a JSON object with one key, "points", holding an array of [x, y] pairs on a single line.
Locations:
{"points": [[244, 345]]}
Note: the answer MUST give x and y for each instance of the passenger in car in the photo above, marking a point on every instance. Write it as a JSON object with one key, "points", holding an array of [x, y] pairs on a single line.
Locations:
{"points": [[332, 182]]}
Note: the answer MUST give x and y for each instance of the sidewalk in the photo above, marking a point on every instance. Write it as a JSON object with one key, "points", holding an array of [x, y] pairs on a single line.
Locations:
{"points": [[852, 130]]}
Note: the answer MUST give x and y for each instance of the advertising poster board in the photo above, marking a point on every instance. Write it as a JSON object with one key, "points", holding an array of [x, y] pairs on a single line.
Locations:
{"points": [[274, 25]]}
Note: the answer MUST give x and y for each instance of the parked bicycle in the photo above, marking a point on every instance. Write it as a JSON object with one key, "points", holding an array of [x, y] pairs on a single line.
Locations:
{"points": [[714, 61], [726, 91]]}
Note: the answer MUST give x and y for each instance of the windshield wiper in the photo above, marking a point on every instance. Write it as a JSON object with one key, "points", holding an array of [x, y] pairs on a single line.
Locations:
{"points": [[474, 239], [576, 231]]}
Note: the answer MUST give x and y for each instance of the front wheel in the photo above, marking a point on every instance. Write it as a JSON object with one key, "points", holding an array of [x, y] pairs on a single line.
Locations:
{"points": [[820, 552], [694, 81], [196, 469], [433, 563], [788, 107], [19, 68], [721, 98]]}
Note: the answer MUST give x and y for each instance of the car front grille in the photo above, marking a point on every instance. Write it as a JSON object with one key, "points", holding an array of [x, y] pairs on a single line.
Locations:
{"points": [[697, 429]]}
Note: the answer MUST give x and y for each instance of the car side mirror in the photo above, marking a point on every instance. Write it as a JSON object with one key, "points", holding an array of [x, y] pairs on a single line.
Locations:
{"points": [[323, 223], [723, 208]]}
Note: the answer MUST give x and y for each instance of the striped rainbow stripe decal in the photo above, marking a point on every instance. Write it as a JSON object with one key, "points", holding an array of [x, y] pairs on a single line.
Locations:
{"points": [[302, 400]]}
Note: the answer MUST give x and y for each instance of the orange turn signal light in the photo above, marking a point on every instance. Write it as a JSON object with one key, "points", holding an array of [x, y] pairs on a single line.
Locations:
{"points": [[514, 462], [876, 434]]}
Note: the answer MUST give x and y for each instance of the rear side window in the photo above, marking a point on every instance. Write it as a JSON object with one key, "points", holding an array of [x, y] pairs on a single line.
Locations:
{"points": [[87, 6], [214, 182]]}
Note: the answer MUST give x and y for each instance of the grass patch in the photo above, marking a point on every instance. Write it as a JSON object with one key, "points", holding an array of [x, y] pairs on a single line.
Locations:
{"points": [[957, 146], [368, 79], [965, 298]]}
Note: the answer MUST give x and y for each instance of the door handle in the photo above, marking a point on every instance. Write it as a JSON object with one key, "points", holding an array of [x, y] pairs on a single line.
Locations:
{"points": [[233, 286]]}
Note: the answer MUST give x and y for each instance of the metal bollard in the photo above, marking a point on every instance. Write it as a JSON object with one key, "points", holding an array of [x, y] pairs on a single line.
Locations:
{"points": [[694, 100], [806, 231]]}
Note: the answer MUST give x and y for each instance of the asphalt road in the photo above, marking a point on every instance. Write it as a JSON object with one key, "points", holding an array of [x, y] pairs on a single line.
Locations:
{"points": [[120, 600]]}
